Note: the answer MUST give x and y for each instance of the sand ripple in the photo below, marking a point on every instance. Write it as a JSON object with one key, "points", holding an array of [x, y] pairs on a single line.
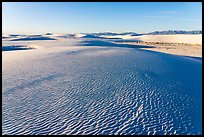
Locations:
{"points": [[116, 91]]}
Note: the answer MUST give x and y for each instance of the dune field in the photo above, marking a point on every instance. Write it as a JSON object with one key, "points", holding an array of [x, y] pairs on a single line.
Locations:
{"points": [[178, 44], [83, 84]]}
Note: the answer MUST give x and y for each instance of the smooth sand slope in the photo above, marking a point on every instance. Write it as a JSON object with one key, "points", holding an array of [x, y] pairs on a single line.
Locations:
{"points": [[84, 86], [179, 38], [180, 44], [190, 50]]}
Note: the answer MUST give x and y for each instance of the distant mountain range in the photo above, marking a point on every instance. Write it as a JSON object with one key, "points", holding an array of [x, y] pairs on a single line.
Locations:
{"points": [[174, 32], [101, 34], [169, 32], [115, 34]]}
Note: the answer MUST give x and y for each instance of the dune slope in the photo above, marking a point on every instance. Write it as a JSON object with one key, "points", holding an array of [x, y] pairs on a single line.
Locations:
{"points": [[68, 88]]}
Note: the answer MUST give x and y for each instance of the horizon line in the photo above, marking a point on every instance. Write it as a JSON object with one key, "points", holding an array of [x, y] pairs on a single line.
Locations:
{"points": [[97, 32]]}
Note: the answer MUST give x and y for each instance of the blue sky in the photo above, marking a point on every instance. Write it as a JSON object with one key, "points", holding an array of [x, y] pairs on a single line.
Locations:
{"points": [[75, 17]]}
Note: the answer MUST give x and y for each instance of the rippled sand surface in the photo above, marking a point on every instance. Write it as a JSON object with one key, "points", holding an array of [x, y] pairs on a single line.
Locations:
{"points": [[67, 89]]}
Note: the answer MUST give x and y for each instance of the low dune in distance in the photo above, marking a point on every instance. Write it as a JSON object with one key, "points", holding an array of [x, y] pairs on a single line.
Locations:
{"points": [[176, 38]]}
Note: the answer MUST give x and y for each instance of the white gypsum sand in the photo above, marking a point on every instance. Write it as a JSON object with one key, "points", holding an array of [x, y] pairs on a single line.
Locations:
{"points": [[190, 50], [176, 38], [178, 44], [84, 86]]}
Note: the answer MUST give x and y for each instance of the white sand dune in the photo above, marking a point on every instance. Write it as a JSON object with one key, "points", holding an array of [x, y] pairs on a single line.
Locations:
{"points": [[128, 36], [179, 38], [88, 87], [79, 35]]}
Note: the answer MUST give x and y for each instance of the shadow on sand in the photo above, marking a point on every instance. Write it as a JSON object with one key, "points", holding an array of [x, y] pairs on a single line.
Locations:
{"points": [[33, 38], [11, 48], [194, 58], [110, 44], [198, 58]]}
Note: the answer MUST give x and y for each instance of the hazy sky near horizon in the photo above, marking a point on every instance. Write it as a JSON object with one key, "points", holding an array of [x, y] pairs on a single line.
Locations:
{"points": [[76, 17]]}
